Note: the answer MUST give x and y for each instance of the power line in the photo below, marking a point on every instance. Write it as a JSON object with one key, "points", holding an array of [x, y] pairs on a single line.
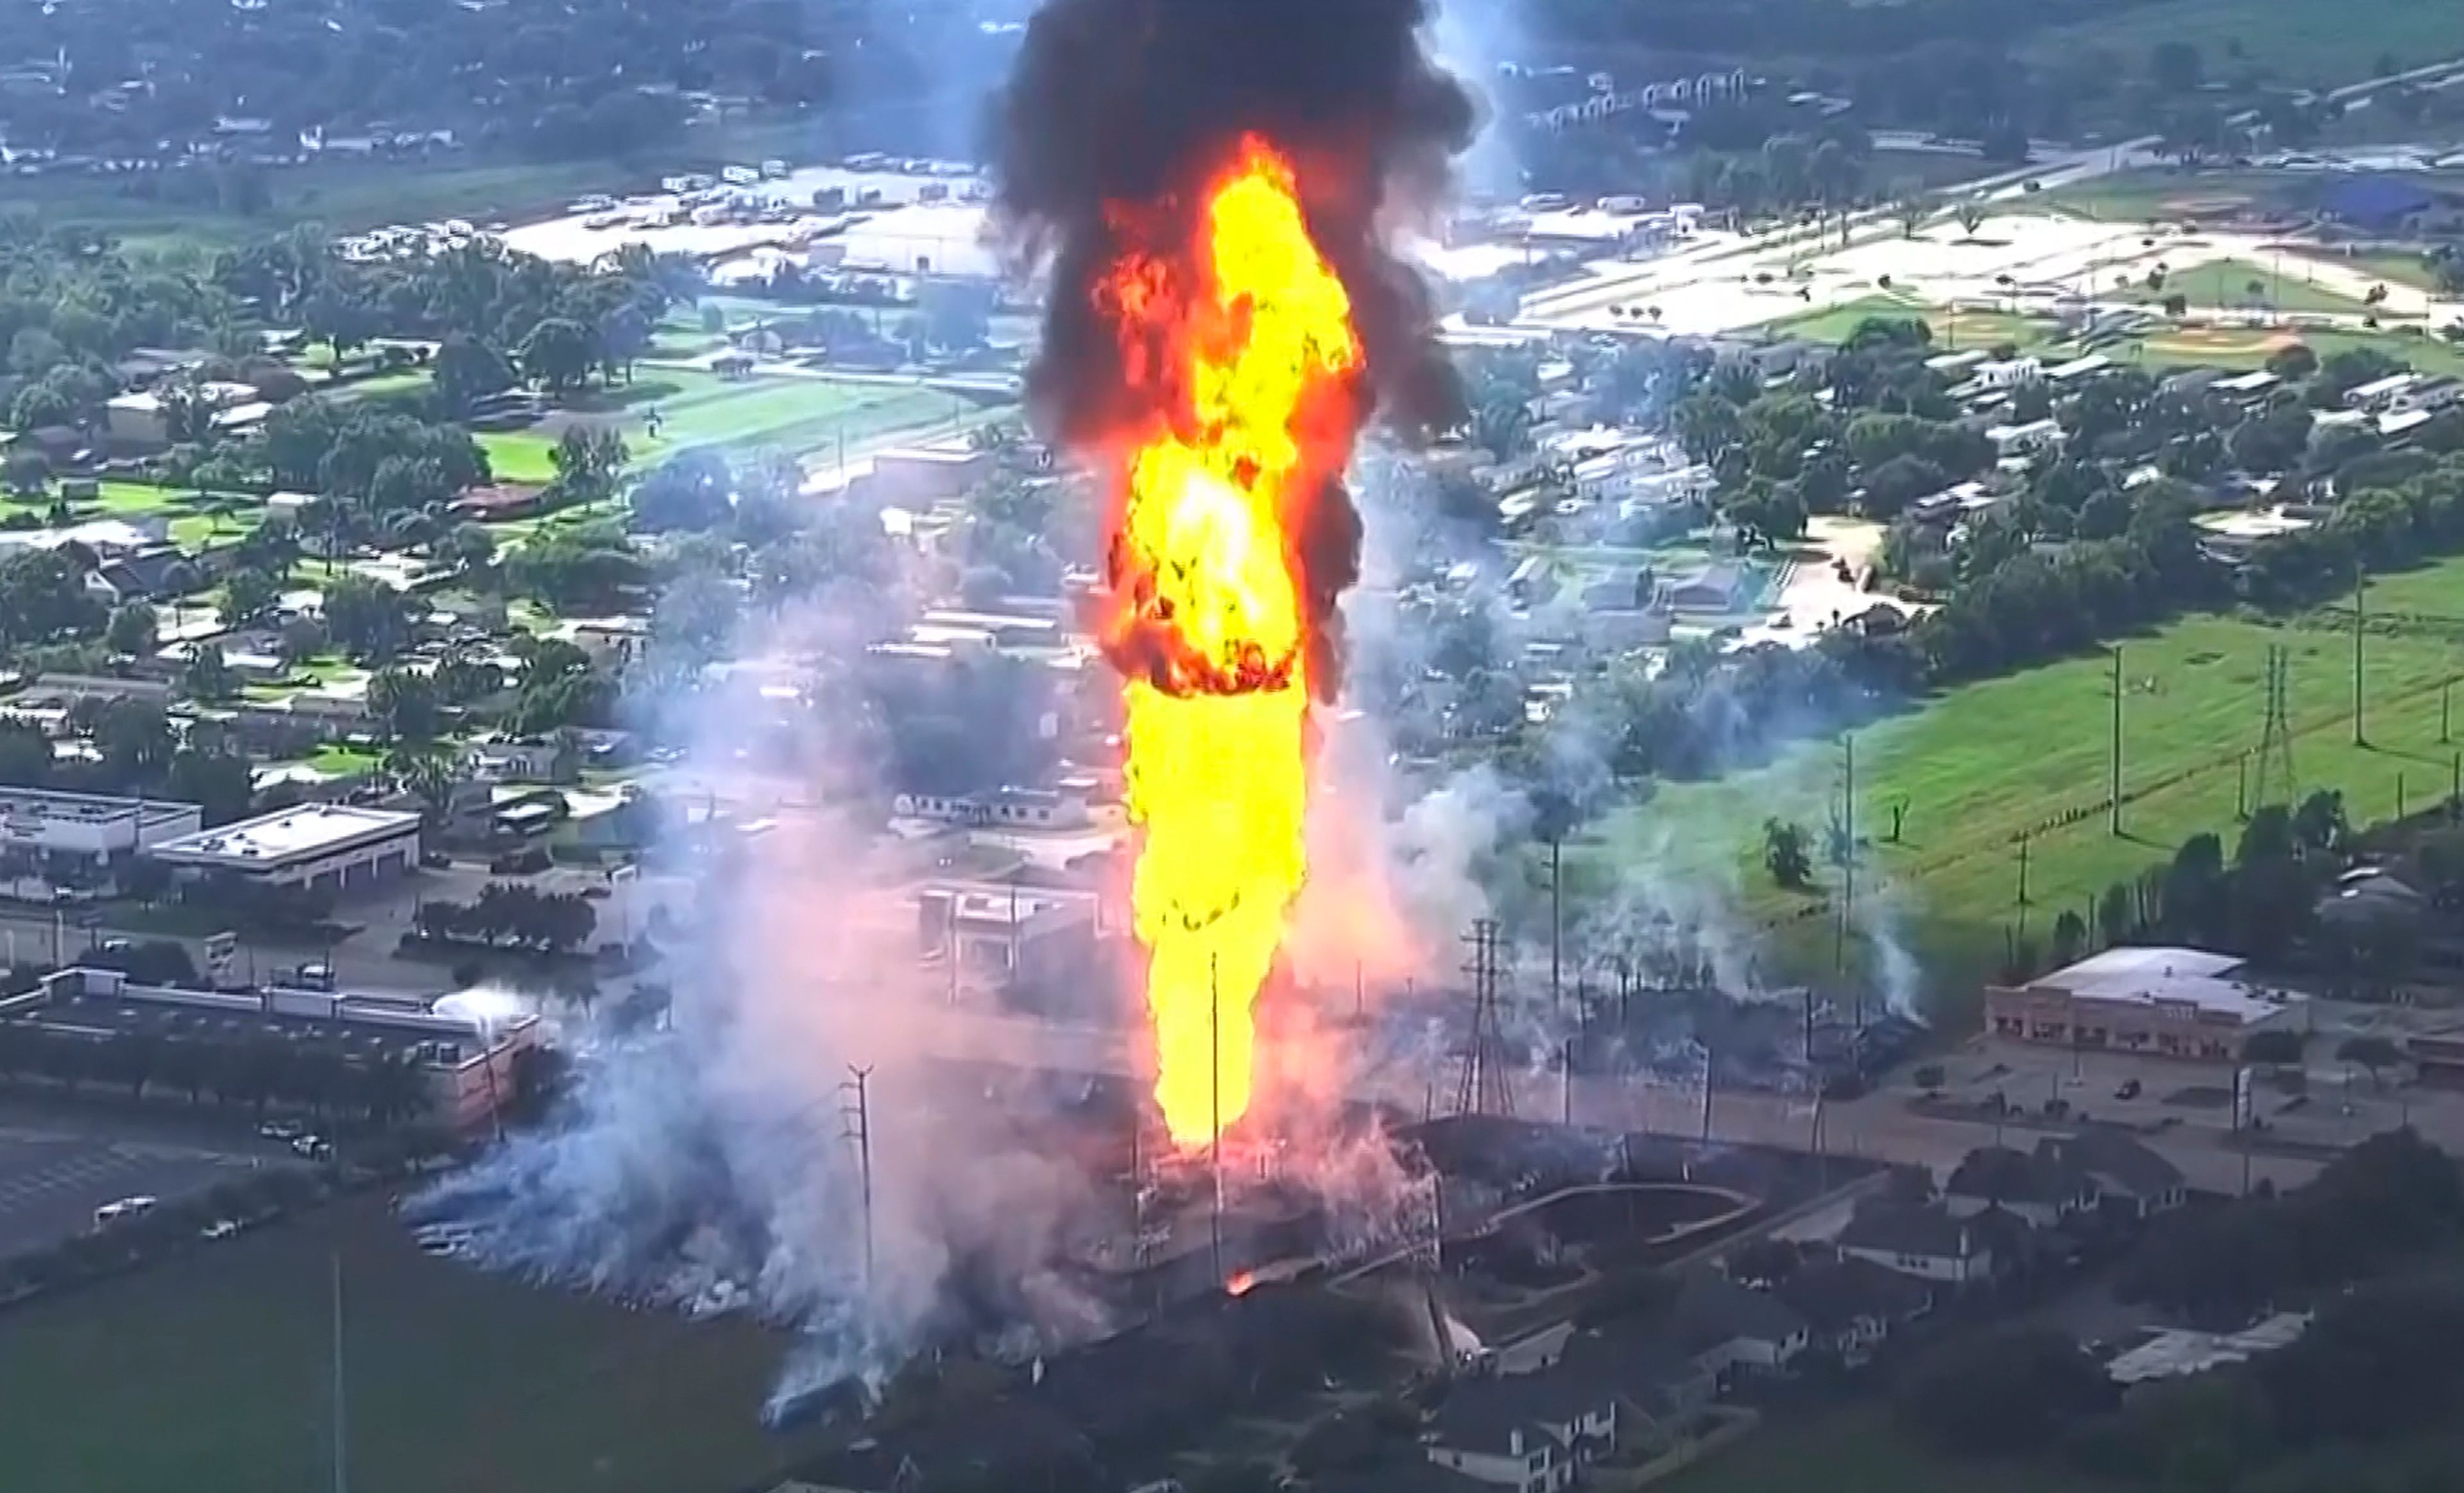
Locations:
{"points": [[1482, 1087], [2275, 734]]}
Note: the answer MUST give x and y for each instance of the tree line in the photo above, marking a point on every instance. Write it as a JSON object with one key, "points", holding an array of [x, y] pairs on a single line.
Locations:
{"points": [[512, 913]]}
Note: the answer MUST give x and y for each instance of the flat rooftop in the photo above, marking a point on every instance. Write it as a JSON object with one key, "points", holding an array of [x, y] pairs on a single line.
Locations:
{"points": [[288, 835], [2153, 975], [86, 808], [242, 1015]]}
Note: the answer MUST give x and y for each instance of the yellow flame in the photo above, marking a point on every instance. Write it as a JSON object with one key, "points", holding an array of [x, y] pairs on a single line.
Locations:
{"points": [[1216, 774]]}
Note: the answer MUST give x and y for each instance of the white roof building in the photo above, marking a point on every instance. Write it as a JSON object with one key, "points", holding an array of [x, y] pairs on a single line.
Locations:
{"points": [[324, 846]]}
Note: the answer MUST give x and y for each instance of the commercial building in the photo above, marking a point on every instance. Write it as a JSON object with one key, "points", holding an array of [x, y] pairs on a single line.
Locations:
{"points": [[320, 846], [2164, 1002], [465, 1056], [79, 843]]}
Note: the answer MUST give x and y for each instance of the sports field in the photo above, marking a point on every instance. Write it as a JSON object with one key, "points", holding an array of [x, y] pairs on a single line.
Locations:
{"points": [[2229, 283], [1983, 764], [796, 415], [211, 1373]]}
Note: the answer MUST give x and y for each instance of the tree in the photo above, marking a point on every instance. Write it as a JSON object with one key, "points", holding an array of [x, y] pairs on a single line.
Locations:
{"points": [[588, 460], [207, 675], [248, 597], [1971, 217], [2069, 939], [2375, 1053], [2007, 1391], [132, 630], [559, 354], [366, 618], [957, 314], [1786, 855], [404, 704], [1502, 426], [2176, 66], [466, 370]]}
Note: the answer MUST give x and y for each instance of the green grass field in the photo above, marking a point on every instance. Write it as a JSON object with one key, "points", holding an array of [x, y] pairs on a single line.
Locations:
{"points": [[1980, 765], [211, 1373], [798, 416], [2225, 283], [2304, 42]]}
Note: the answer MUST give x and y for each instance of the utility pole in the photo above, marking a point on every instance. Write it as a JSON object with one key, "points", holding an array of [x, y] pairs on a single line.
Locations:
{"points": [[341, 1456], [1215, 1113], [2023, 886], [2113, 777], [1568, 1116], [856, 1101], [2446, 699], [1556, 924], [2361, 589], [1847, 853]]}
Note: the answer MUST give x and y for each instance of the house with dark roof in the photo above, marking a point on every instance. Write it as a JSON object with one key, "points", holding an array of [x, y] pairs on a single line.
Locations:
{"points": [[1528, 1431], [143, 575], [1730, 1328], [1920, 1240], [1851, 1305], [2131, 1178], [2038, 1186], [1659, 1388]]}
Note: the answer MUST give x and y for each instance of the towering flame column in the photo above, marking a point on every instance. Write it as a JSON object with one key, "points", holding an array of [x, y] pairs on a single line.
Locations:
{"points": [[1241, 365]]}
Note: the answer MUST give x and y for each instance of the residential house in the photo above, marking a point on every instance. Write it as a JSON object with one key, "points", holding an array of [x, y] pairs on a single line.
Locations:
{"points": [[2029, 436], [2131, 1179], [141, 575], [1661, 1391], [1714, 588], [1528, 1431], [1851, 1305], [2038, 1187], [1920, 1240], [1731, 1328]]}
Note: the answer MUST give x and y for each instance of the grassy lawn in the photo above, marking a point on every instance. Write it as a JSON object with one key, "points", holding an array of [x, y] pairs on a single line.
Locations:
{"points": [[2162, 195], [1838, 323], [1953, 327], [343, 761], [795, 415], [2300, 41], [1854, 1451], [1981, 764], [211, 1373], [2225, 283]]}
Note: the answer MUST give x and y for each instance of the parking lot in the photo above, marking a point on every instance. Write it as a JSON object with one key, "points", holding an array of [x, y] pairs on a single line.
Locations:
{"points": [[52, 1179]]}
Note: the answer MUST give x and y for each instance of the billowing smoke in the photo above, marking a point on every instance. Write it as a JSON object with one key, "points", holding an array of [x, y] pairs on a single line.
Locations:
{"points": [[712, 1162], [1117, 104]]}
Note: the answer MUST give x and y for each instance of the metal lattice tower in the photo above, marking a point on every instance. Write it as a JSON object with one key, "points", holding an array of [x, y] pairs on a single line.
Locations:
{"points": [[2274, 772], [1483, 1088]]}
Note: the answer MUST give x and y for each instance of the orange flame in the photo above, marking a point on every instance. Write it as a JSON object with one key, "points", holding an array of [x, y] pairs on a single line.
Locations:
{"points": [[1238, 357]]}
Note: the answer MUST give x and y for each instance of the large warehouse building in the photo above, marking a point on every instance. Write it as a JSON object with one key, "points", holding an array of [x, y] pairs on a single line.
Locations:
{"points": [[318, 847], [466, 1059], [51, 843], [2164, 1002]]}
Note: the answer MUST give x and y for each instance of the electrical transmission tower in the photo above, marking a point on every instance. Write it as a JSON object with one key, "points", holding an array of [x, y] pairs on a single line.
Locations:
{"points": [[2275, 736], [1483, 1088]]}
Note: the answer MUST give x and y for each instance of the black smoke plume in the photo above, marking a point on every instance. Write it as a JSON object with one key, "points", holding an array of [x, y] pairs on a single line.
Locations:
{"points": [[1139, 101]]}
